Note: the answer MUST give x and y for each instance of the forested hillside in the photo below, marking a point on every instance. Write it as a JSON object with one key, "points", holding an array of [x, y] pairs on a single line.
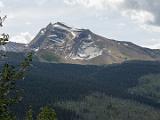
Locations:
{"points": [[67, 87]]}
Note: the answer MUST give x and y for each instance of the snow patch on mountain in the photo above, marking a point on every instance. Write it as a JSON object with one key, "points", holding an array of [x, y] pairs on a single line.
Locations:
{"points": [[89, 53], [125, 44], [13, 47], [43, 31], [89, 37]]}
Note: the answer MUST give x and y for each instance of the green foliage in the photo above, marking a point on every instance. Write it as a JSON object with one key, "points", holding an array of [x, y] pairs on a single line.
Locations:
{"points": [[9, 94], [99, 106], [6, 115], [29, 115], [48, 56], [47, 114], [4, 39], [148, 86], [64, 82]]}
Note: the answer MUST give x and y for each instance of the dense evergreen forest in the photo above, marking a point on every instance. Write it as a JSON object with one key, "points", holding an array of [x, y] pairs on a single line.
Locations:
{"points": [[84, 92], [127, 91]]}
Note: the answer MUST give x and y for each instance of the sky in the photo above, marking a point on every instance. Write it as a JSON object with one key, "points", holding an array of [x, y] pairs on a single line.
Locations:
{"points": [[137, 21]]}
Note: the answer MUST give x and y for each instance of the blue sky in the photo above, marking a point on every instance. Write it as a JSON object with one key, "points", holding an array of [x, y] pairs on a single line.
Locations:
{"points": [[137, 21]]}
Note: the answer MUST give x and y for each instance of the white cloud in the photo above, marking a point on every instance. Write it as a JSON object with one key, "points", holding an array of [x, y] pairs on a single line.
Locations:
{"points": [[143, 19], [150, 28], [153, 43], [24, 37], [151, 6], [139, 16], [98, 4], [133, 9]]}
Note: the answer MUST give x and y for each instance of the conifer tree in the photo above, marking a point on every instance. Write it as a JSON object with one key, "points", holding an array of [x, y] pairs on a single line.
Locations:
{"points": [[9, 94], [29, 115], [47, 113]]}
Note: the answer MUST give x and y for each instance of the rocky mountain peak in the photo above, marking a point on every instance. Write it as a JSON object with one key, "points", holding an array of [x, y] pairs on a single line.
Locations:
{"points": [[61, 42]]}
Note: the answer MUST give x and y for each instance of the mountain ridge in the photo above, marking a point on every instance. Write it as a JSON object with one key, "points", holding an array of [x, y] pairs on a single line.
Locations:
{"points": [[58, 42]]}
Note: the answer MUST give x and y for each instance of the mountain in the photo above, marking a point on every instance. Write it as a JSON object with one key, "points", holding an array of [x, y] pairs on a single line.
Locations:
{"points": [[126, 91], [13, 47], [60, 43], [63, 44]]}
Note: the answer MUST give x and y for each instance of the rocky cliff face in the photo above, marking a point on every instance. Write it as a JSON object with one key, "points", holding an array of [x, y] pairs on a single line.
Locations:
{"points": [[72, 45], [60, 43]]}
